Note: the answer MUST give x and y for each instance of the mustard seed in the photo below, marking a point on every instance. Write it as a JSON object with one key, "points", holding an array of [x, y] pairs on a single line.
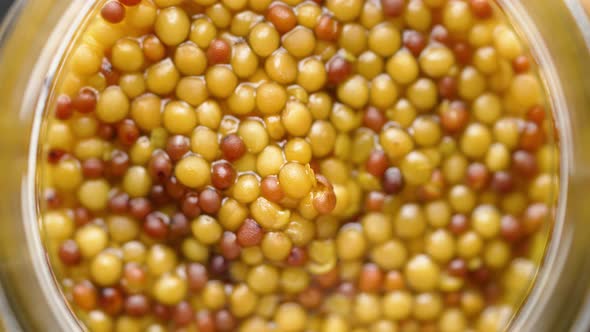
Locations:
{"points": [[113, 12], [338, 70], [137, 305], [393, 8], [327, 28], [209, 201], [223, 175], [64, 108], [140, 207], [414, 41], [119, 203], [177, 146], [249, 234], [182, 314], [156, 225], [85, 101], [111, 300], [69, 253], [190, 205], [233, 147], [219, 51], [282, 17], [175, 189]]}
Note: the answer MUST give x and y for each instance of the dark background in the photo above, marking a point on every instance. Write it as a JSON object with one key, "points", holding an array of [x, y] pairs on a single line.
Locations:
{"points": [[4, 5]]}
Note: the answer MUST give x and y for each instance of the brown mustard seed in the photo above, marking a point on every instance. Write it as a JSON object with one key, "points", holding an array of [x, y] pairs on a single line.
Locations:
{"points": [[311, 297], [218, 266], [440, 34], [481, 8], [531, 137], [230, 249], [377, 163], [223, 175], [329, 279], [175, 189], [271, 190], [156, 225], [414, 41], [393, 181], [534, 217], [52, 198], [160, 167], [338, 70], [153, 49], [459, 224], [177, 146], [205, 322], [282, 17], [85, 295], [119, 203], [162, 312], [225, 321], [69, 253], [111, 300], [374, 201], [196, 276], [55, 155], [85, 101], [190, 205], [447, 87], [113, 12], [510, 229], [82, 216], [458, 268], [502, 182], [179, 227], [327, 28], [374, 119], [394, 280], [219, 51], [455, 117], [297, 257], [209, 201], [158, 195], [64, 108], [462, 52], [536, 114], [233, 147], [93, 168], [137, 305], [106, 131], [130, 3], [140, 207], [111, 75], [127, 132], [478, 176], [521, 64], [182, 314], [393, 8], [118, 164], [524, 164], [249, 234], [371, 278]]}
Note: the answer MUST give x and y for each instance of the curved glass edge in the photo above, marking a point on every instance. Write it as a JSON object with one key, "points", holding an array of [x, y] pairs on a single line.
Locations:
{"points": [[33, 36], [555, 298], [8, 321]]}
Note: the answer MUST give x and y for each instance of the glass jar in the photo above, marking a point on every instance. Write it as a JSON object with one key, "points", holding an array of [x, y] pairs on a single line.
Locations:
{"points": [[36, 32]]}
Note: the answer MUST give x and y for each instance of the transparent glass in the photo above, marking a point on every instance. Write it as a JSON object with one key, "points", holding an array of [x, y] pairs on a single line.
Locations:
{"points": [[33, 36]]}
